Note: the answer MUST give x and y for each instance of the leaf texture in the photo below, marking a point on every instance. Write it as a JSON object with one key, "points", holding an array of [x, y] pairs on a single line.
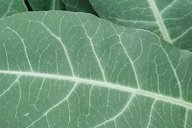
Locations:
{"points": [[9, 7], [79, 6], [63, 69], [40, 5], [170, 19]]}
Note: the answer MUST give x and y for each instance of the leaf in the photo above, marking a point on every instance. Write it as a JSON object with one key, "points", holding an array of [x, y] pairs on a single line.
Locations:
{"points": [[9, 7], [79, 6], [69, 70], [46, 5], [170, 19]]}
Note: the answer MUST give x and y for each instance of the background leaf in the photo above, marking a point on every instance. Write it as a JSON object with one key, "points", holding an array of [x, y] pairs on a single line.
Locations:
{"points": [[79, 6], [63, 69], [170, 19], [46, 5], [9, 7]]}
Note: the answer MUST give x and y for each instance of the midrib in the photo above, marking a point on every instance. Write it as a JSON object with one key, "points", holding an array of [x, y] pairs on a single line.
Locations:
{"points": [[54, 4], [159, 21], [90, 82]]}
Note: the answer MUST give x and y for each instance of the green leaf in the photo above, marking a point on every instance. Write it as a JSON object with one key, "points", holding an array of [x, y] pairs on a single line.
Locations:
{"points": [[46, 5], [69, 70], [79, 6], [9, 7], [170, 19]]}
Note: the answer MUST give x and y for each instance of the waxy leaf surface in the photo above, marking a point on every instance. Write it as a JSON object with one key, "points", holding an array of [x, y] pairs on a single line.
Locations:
{"points": [[170, 19], [40, 5], [9, 7], [79, 6], [69, 70]]}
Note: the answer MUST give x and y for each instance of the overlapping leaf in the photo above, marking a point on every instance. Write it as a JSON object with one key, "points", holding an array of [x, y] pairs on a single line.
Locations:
{"points": [[79, 6], [9, 7], [46, 5], [170, 19], [62, 69]]}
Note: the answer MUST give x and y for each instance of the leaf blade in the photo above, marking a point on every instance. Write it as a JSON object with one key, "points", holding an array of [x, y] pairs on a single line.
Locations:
{"points": [[11, 7], [168, 19], [51, 87]]}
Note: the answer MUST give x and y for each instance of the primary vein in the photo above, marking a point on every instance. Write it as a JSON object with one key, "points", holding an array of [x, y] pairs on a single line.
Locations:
{"points": [[103, 84], [159, 21]]}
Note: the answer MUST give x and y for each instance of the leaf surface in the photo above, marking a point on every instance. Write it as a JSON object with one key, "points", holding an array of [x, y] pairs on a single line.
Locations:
{"points": [[39, 5], [79, 6], [63, 69], [9, 7], [170, 19]]}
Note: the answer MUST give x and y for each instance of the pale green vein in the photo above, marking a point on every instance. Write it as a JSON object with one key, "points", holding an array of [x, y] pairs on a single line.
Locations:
{"points": [[169, 6], [60, 41], [9, 88], [175, 73], [102, 84], [25, 48], [8, 9], [54, 106], [128, 57], [151, 114], [93, 49], [186, 118], [119, 113], [159, 21]]}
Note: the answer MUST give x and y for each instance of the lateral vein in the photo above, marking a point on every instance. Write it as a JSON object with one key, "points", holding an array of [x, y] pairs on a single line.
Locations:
{"points": [[93, 49], [24, 46], [62, 44]]}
